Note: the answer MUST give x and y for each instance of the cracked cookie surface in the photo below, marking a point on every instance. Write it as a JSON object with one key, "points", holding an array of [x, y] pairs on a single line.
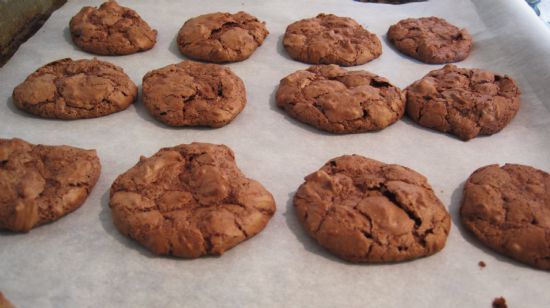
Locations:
{"points": [[431, 40], [363, 210], [189, 201], [330, 39], [463, 102], [221, 37], [193, 94], [67, 89], [508, 209], [111, 30], [332, 99], [41, 183]]}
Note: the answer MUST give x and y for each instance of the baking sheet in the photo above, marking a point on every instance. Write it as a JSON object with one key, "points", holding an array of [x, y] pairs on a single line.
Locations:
{"points": [[82, 261]]}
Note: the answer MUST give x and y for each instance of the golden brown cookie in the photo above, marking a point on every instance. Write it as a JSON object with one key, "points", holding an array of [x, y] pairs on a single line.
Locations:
{"points": [[332, 99], [508, 209], [431, 40], [221, 37], [463, 102], [41, 183], [330, 39], [67, 89], [189, 201], [193, 94], [111, 30], [363, 210]]}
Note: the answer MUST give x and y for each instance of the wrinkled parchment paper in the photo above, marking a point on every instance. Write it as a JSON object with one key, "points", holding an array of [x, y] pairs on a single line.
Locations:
{"points": [[82, 261]]}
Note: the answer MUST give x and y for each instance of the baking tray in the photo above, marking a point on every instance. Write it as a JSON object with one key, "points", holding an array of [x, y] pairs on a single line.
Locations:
{"points": [[82, 261]]}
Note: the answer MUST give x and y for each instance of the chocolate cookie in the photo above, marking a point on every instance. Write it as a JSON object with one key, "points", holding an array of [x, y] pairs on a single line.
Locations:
{"points": [[189, 201], [329, 39], [463, 102], [67, 89], [221, 37], [508, 209], [363, 210], [431, 40], [41, 183], [193, 94], [4, 302], [333, 99], [111, 30]]}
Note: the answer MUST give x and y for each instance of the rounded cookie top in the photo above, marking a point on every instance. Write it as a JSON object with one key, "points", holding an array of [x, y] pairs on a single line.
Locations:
{"points": [[193, 94], [330, 39], [363, 210], [508, 209], [221, 37], [463, 102], [40, 183], [332, 99], [189, 201], [67, 89], [111, 30], [430, 40]]}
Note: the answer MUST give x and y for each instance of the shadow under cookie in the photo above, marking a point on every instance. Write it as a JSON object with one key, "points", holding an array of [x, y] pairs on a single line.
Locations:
{"points": [[106, 221]]}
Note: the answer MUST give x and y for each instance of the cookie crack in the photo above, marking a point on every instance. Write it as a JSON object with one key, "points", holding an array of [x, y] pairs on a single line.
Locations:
{"points": [[404, 180], [216, 33], [368, 233], [40, 104], [189, 98], [395, 200], [507, 226], [207, 240], [245, 25], [379, 83], [322, 221], [109, 76], [223, 28], [170, 247], [220, 89], [257, 39], [81, 108], [239, 226], [265, 211], [98, 21]]}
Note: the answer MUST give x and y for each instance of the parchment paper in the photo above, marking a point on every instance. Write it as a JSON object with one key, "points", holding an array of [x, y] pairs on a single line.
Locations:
{"points": [[82, 261]]}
